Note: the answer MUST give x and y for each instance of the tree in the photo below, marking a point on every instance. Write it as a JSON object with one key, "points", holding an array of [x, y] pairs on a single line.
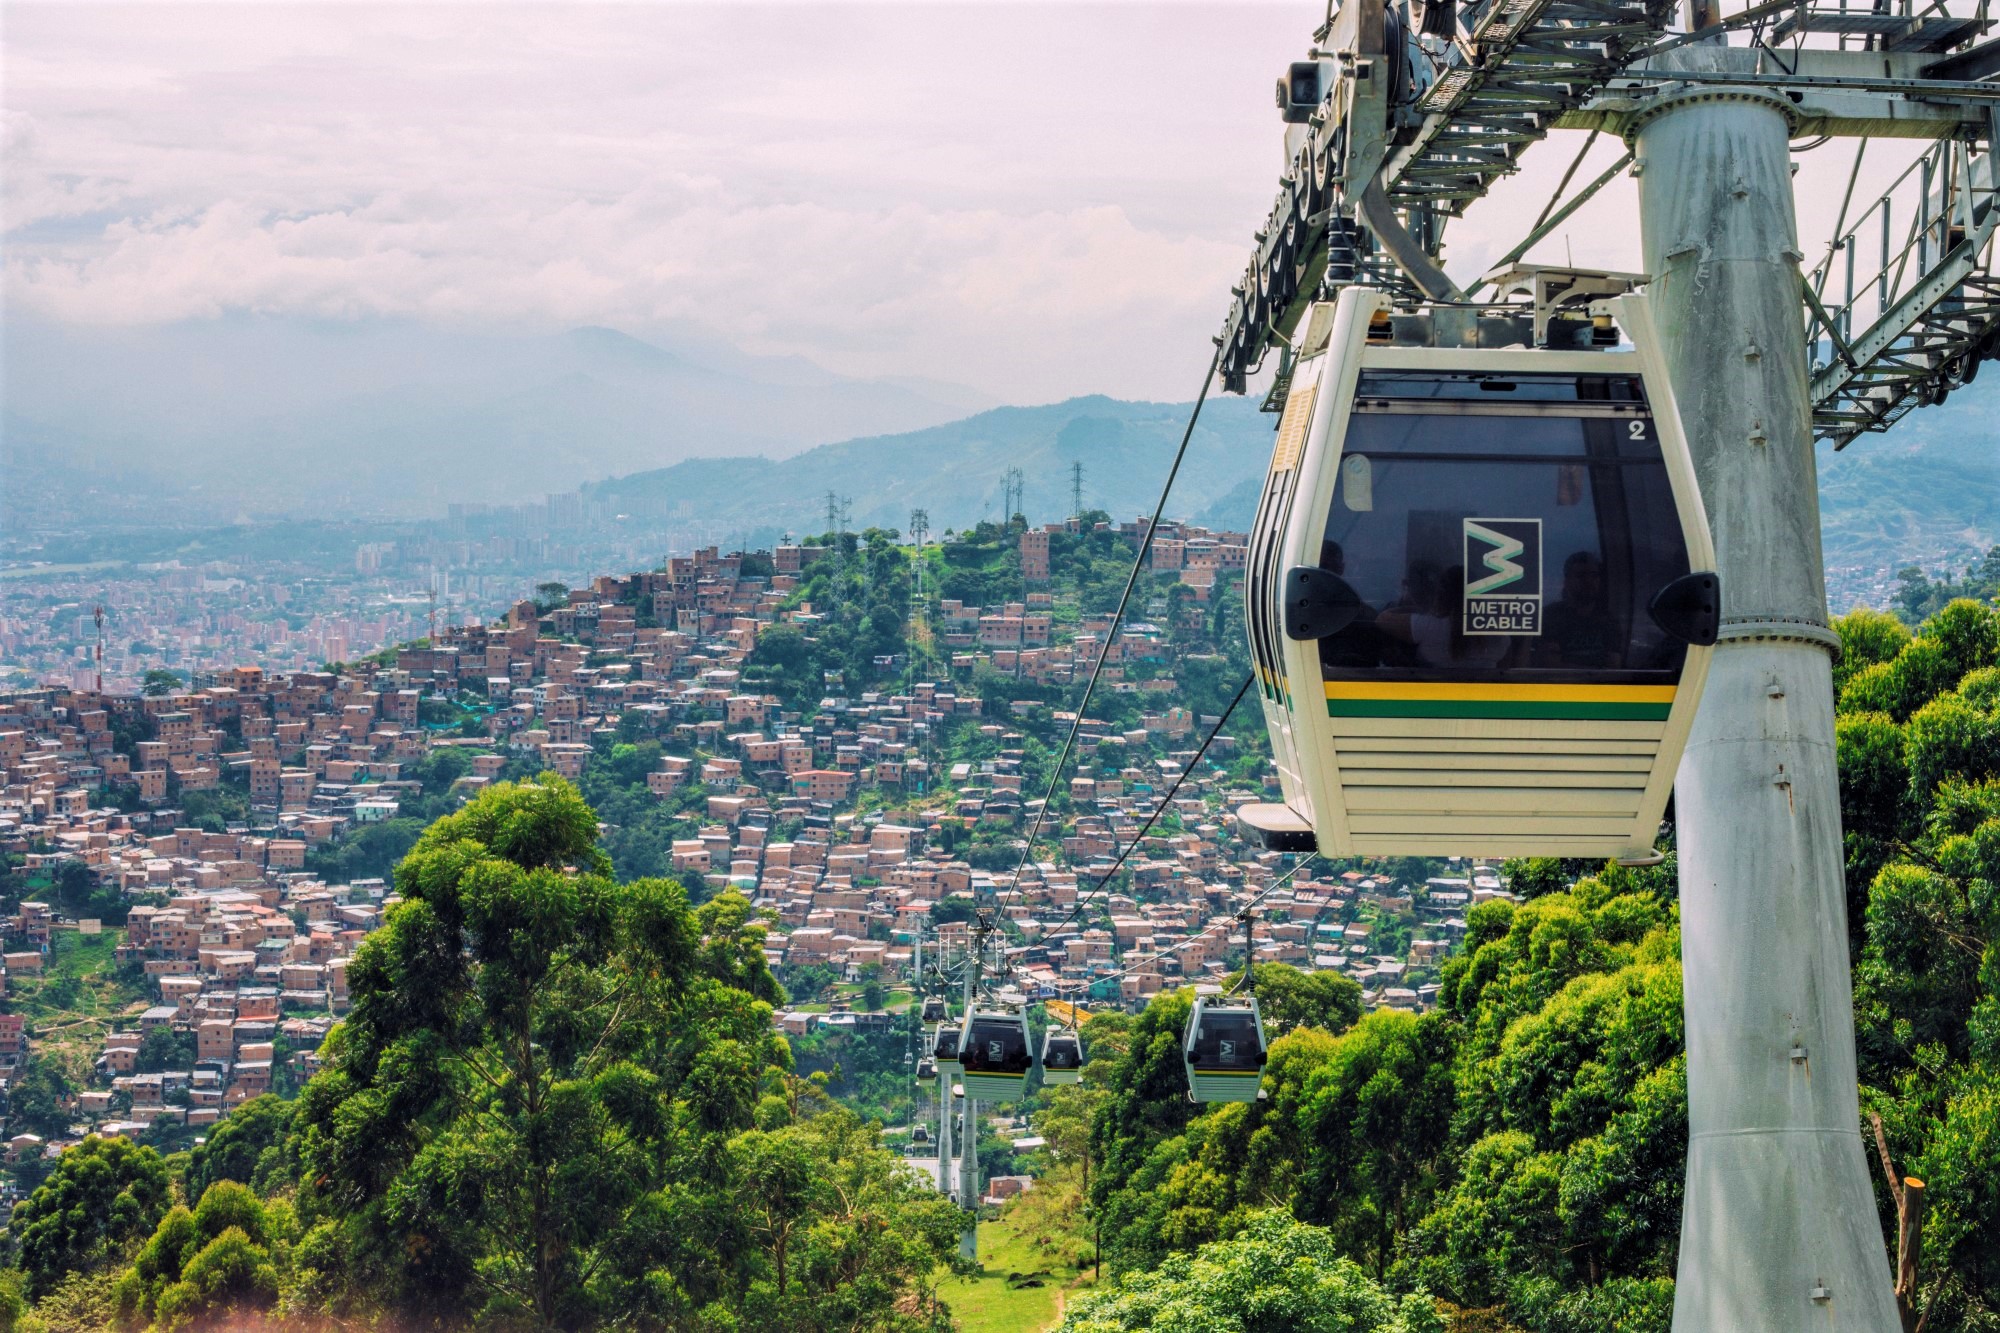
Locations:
{"points": [[250, 1147], [1289, 998], [163, 1048], [213, 1261], [1278, 1277], [159, 681], [1377, 1116], [806, 982], [528, 1115], [39, 1099], [104, 1195]]}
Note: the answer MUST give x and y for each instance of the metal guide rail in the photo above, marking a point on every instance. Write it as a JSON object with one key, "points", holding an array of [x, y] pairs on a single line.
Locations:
{"points": [[1525, 64], [1902, 311], [1502, 86]]}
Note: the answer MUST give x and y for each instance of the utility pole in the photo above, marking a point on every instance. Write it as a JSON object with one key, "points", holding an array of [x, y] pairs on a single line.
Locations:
{"points": [[944, 1119], [968, 1159], [1779, 1230]]}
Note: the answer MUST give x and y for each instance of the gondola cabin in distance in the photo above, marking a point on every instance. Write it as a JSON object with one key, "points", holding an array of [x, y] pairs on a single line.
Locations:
{"points": [[994, 1054], [1224, 1049], [1479, 592], [1062, 1057], [944, 1051]]}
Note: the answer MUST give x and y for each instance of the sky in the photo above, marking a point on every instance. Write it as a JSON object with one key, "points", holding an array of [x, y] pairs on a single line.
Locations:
{"points": [[1036, 201]]}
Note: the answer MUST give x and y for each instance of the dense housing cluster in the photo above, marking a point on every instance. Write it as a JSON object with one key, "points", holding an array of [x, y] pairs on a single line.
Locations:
{"points": [[201, 828]]}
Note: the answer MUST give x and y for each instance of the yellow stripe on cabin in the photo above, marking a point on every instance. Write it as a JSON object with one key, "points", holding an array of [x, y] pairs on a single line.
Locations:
{"points": [[1426, 689]]}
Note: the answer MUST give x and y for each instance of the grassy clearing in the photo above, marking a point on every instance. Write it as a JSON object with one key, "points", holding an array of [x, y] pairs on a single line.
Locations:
{"points": [[992, 1303], [79, 996]]}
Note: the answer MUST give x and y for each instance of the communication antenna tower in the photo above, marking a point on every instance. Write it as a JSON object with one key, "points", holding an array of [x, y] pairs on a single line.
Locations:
{"points": [[97, 616], [1076, 489], [920, 636], [1390, 135]]}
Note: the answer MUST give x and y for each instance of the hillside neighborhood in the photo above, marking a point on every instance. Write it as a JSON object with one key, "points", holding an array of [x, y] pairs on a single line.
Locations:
{"points": [[856, 827]]}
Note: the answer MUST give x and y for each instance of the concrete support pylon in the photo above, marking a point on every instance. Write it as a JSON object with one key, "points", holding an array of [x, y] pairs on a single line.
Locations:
{"points": [[1779, 1230]]}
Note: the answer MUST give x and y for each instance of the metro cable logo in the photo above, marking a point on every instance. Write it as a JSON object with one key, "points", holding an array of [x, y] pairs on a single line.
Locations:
{"points": [[1507, 597]]}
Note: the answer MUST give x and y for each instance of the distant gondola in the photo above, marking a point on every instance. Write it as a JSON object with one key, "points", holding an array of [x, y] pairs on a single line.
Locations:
{"points": [[927, 1070], [944, 1051], [1224, 1049], [935, 1010], [995, 1055], [1062, 1057]]}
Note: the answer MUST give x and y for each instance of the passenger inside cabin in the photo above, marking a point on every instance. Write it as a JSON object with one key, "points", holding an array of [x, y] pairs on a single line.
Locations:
{"points": [[1579, 629]]}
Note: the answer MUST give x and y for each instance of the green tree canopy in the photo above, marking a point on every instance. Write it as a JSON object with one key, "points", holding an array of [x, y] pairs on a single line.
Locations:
{"points": [[103, 1196], [250, 1146], [538, 1106], [1277, 1277]]}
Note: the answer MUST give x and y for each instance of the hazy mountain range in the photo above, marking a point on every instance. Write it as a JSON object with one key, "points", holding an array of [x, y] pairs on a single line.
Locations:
{"points": [[275, 417], [265, 418]]}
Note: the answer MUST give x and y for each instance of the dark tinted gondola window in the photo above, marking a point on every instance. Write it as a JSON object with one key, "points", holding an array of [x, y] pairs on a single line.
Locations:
{"points": [[1497, 529], [997, 1047], [1226, 1039]]}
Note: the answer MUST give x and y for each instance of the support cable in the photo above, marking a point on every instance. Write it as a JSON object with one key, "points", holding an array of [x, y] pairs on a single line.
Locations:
{"points": [[1207, 931], [1159, 808], [1118, 617]]}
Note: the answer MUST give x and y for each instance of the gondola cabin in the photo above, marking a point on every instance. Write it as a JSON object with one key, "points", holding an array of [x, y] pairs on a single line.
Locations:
{"points": [[994, 1055], [1479, 592], [927, 1070], [944, 1051], [935, 1010], [1224, 1049], [1062, 1057], [921, 1134]]}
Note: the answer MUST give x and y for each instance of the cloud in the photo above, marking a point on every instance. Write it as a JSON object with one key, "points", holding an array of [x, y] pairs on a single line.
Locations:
{"points": [[1038, 201], [968, 194]]}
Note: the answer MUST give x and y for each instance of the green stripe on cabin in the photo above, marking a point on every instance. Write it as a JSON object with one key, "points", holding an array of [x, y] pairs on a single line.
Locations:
{"points": [[1551, 709]]}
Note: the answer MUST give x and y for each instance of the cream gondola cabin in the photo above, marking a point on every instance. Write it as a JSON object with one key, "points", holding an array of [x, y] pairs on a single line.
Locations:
{"points": [[994, 1054], [1479, 592], [1062, 1057], [1224, 1049], [944, 1051]]}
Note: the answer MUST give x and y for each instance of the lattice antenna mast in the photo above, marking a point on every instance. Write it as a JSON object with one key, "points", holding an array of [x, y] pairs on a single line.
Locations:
{"points": [[97, 616], [920, 638], [1076, 489]]}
